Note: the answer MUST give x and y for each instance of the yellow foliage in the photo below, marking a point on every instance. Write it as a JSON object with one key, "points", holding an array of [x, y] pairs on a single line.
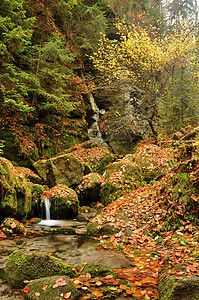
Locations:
{"points": [[141, 55]]}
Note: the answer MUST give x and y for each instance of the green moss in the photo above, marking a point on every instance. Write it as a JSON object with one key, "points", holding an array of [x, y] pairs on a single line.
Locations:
{"points": [[93, 229], [23, 264], [97, 270], [50, 293]]}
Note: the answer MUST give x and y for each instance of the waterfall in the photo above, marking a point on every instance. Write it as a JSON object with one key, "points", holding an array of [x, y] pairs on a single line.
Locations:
{"points": [[47, 206]]}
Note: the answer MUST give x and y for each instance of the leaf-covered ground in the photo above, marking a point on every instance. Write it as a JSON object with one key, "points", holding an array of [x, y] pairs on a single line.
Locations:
{"points": [[157, 225]]}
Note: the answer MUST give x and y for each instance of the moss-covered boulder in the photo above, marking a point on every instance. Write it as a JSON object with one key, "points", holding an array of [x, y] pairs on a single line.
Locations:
{"points": [[97, 270], [61, 169], [94, 229], [55, 288], [11, 226], [178, 289], [18, 195], [88, 190], [23, 264], [71, 165], [63, 202]]}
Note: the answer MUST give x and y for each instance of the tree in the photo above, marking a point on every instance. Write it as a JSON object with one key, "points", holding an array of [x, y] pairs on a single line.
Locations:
{"points": [[144, 58]]}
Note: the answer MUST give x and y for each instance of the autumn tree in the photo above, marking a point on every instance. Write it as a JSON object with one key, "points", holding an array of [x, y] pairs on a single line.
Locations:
{"points": [[145, 59]]}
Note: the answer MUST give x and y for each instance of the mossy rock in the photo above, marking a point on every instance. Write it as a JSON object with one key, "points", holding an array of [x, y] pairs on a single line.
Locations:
{"points": [[30, 175], [97, 270], [82, 218], [23, 264], [88, 190], [61, 169], [178, 289], [93, 229], [64, 202], [11, 226], [18, 195], [50, 293], [109, 190]]}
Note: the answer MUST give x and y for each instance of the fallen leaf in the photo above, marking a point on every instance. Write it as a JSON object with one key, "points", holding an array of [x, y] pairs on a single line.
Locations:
{"points": [[123, 286], [67, 295], [45, 287], [26, 290], [27, 281], [37, 294], [55, 286], [97, 294], [131, 291], [61, 282], [98, 283]]}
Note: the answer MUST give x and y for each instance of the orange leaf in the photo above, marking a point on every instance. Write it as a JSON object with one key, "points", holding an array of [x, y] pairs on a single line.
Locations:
{"points": [[131, 291], [123, 287], [45, 287], [61, 282], [137, 283], [27, 281], [67, 295], [37, 294], [97, 294], [26, 290]]}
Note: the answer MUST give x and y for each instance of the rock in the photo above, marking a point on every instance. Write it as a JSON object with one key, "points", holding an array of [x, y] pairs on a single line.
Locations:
{"points": [[94, 229], [18, 195], [61, 169], [44, 288], [23, 264], [88, 190], [63, 202], [11, 226], [71, 165], [171, 288], [97, 270]]}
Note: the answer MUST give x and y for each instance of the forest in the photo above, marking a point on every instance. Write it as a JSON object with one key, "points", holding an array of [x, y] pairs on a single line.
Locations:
{"points": [[99, 108]]}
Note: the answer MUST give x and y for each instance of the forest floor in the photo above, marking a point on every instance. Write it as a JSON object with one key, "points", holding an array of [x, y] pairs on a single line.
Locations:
{"points": [[157, 226]]}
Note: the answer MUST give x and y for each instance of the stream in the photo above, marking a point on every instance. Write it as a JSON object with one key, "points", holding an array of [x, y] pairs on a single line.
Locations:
{"points": [[71, 249]]}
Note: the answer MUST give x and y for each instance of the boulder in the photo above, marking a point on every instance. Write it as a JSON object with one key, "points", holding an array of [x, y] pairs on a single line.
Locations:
{"points": [[18, 195], [88, 190], [11, 226], [97, 270], [61, 169], [171, 288], [63, 202], [52, 288], [23, 264], [71, 165]]}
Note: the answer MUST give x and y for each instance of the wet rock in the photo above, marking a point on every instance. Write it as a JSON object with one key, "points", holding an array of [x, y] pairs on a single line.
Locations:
{"points": [[63, 202], [23, 264], [63, 286]]}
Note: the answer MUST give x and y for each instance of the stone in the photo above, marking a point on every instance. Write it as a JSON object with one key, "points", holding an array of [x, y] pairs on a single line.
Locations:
{"points": [[178, 289], [18, 195], [88, 190], [23, 264], [44, 288], [63, 202]]}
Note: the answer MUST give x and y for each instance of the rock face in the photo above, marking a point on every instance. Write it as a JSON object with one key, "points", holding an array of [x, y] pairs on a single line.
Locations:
{"points": [[23, 264], [126, 119], [178, 289], [63, 202], [18, 195], [65, 286]]}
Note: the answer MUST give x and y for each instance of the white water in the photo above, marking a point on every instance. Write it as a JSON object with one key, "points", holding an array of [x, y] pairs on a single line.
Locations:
{"points": [[47, 206]]}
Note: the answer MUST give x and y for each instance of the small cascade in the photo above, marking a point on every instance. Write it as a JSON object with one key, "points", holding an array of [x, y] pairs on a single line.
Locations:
{"points": [[47, 206]]}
